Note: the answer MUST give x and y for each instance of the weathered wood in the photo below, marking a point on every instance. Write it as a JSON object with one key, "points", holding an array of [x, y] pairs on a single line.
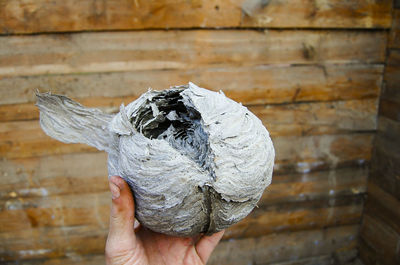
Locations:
{"points": [[348, 259], [367, 253], [318, 118], [385, 166], [93, 210], [298, 216], [96, 259], [391, 89], [347, 150], [55, 211], [67, 174], [26, 142], [193, 49], [285, 246], [381, 238], [51, 242], [83, 240], [394, 35], [251, 85], [384, 206], [281, 120], [304, 154], [17, 16], [389, 109], [315, 185]]}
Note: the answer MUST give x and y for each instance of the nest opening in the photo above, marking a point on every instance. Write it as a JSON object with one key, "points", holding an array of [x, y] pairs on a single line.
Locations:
{"points": [[167, 116]]}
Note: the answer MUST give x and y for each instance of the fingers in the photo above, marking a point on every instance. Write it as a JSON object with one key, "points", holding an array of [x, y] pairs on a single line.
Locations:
{"points": [[206, 245], [122, 216]]}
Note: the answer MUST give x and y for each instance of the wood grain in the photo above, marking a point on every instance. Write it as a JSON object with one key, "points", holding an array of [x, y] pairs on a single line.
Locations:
{"points": [[381, 238], [285, 246], [18, 16], [298, 216], [66, 174], [392, 77], [249, 85], [383, 205], [394, 35], [192, 49], [30, 141], [84, 240]]}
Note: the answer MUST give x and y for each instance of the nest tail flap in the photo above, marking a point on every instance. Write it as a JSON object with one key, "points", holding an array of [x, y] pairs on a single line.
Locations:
{"points": [[70, 122]]}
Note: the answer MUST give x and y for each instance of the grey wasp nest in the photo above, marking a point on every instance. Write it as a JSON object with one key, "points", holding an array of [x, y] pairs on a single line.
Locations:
{"points": [[197, 161]]}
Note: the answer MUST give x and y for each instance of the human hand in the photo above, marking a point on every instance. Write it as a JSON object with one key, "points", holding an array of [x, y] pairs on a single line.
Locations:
{"points": [[133, 244]]}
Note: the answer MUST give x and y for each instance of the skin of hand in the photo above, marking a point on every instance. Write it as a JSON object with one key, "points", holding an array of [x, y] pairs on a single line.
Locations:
{"points": [[134, 244]]}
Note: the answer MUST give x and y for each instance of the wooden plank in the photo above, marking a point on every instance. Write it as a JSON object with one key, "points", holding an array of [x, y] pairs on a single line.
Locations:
{"points": [[55, 211], [367, 253], [295, 154], [53, 242], [52, 175], [385, 166], [389, 109], [394, 35], [298, 216], [96, 259], [82, 240], [184, 50], [285, 246], [30, 141], [384, 206], [249, 85], [100, 259], [66, 174], [381, 238], [281, 120], [93, 210], [391, 89], [305, 154], [315, 185], [17, 16], [318, 118]]}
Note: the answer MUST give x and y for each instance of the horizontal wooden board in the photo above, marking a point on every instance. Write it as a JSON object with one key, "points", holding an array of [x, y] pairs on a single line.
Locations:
{"points": [[249, 85], [304, 154], [315, 185], [47, 242], [347, 257], [389, 109], [392, 77], [26, 142], [82, 240], [55, 211], [394, 35], [93, 210], [298, 216], [281, 120], [66, 174], [383, 205], [296, 154], [382, 238], [282, 246], [17, 16], [184, 50], [385, 166]]}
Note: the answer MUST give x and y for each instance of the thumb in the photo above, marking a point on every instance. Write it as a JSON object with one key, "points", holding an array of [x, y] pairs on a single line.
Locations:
{"points": [[121, 235]]}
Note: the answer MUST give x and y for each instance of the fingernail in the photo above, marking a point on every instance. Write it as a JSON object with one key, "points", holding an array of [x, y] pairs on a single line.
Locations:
{"points": [[115, 192], [136, 224]]}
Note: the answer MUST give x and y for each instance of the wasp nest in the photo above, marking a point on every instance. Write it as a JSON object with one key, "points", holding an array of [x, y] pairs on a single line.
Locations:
{"points": [[196, 160]]}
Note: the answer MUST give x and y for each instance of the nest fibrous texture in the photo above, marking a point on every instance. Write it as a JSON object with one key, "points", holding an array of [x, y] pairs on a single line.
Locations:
{"points": [[196, 161]]}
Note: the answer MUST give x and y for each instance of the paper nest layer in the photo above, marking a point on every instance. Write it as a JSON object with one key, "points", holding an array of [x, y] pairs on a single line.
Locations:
{"points": [[196, 161]]}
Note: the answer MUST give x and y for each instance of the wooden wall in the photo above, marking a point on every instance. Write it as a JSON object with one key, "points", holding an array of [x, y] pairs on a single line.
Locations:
{"points": [[380, 230], [311, 70]]}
